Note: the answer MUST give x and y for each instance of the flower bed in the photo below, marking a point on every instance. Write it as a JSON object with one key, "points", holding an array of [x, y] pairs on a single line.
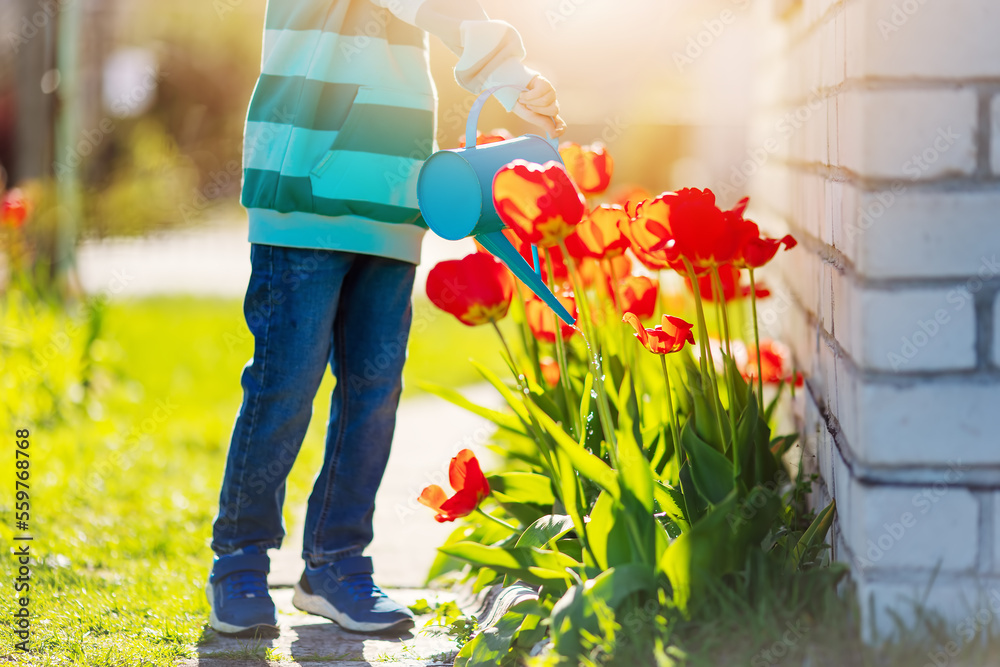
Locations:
{"points": [[645, 480]]}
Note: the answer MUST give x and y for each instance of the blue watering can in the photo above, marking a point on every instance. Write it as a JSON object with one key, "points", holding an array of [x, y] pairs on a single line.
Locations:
{"points": [[455, 195]]}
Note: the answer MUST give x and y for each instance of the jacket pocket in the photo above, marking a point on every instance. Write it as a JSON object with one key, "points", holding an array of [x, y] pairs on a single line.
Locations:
{"points": [[374, 159]]}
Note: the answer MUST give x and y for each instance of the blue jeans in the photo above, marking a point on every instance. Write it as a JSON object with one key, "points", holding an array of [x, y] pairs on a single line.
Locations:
{"points": [[306, 308]]}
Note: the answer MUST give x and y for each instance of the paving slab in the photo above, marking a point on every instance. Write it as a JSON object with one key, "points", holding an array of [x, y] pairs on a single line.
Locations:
{"points": [[306, 640]]}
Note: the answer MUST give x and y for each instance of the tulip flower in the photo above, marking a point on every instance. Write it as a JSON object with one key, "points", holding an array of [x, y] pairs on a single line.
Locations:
{"points": [[638, 295], [589, 166], [774, 363], [630, 198], [494, 136], [600, 235], [759, 250], [731, 287], [693, 227], [469, 483], [550, 371], [666, 338], [476, 289], [542, 320], [538, 202], [13, 208]]}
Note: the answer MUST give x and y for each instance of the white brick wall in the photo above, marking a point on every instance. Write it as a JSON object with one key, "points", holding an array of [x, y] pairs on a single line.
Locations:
{"points": [[885, 175], [908, 527], [909, 135], [937, 227]]}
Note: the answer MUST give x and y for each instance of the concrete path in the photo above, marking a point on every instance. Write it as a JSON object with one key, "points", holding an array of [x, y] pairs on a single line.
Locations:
{"points": [[212, 259]]}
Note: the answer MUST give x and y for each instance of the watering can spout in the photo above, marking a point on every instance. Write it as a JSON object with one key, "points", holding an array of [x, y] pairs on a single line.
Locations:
{"points": [[455, 193], [503, 250]]}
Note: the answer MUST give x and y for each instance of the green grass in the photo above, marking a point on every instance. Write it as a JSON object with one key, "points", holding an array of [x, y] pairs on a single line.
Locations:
{"points": [[128, 442]]}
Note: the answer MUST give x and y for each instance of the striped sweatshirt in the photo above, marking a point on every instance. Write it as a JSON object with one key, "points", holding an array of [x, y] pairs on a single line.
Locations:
{"points": [[344, 114]]}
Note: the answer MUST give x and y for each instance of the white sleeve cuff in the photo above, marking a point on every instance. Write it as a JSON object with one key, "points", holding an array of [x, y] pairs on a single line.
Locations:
{"points": [[510, 72]]}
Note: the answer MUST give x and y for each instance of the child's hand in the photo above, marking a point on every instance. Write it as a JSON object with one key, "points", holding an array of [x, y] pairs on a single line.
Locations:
{"points": [[538, 106]]}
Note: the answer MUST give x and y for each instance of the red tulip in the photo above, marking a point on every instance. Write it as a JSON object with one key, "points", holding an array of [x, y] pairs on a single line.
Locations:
{"points": [[476, 289], [639, 295], [774, 362], [550, 371], [693, 226], [493, 137], [759, 250], [729, 275], [560, 270], [13, 208], [600, 234], [666, 338], [589, 166], [471, 488], [542, 320], [538, 202]]}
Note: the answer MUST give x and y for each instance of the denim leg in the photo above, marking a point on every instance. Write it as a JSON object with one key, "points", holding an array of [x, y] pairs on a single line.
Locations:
{"points": [[290, 308], [369, 349]]}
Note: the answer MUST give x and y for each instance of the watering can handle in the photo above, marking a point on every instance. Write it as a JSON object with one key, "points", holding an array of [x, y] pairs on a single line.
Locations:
{"points": [[472, 124]]}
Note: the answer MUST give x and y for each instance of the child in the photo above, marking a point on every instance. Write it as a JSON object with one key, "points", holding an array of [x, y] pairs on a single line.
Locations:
{"points": [[340, 121]]}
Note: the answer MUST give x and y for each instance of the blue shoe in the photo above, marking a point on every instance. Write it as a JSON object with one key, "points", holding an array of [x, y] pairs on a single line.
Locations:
{"points": [[345, 593], [237, 592]]}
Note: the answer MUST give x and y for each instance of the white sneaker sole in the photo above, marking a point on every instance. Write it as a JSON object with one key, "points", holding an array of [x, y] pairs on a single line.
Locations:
{"points": [[229, 628], [320, 606]]}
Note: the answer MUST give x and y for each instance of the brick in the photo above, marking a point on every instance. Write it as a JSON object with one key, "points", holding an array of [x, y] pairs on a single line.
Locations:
{"points": [[959, 601], [995, 113], [909, 135], [906, 233], [891, 38], [914, 330], [919, 528], [927, 423]]}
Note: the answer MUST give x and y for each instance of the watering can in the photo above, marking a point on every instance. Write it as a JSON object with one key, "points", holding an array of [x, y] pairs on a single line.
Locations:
{"points": [[455, 195]]}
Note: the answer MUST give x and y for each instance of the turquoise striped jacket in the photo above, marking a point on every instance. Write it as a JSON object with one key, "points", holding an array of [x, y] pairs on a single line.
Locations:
{"points": [[343, 116]]}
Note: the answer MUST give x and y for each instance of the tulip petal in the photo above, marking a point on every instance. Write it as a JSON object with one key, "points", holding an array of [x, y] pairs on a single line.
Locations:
{"points": [[433, 496]]}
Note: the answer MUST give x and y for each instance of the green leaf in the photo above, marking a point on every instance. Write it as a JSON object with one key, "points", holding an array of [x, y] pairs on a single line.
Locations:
{"points": [[590, 466], [814, 535], [515, 401], [547, 528], [744, 444], [586, 416], [522, 487], [574, 612], [501, 419], [711, 472], [781, 444], [671, 501], [701, 555], [536, 566], [606, 533], [491, 645]]}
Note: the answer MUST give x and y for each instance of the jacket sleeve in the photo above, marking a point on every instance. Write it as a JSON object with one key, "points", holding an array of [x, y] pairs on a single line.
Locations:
{"points": [[490, 52]]}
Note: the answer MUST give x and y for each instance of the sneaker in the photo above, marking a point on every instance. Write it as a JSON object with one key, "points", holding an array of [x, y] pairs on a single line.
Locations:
{"points": [[237, 593], [345, 593]]}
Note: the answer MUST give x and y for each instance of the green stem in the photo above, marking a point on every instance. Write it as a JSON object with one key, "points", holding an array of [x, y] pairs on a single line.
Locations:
{"points": [[603, 408], [674, 425], [496, 520], [510, 355], [630, 358], [730, 385], [574, 418], [756, 343], [708, 372]]}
